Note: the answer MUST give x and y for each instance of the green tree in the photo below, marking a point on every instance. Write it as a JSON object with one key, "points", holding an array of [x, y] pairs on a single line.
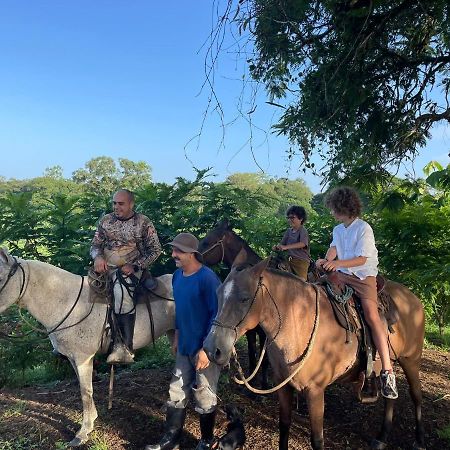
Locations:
{"points": [[414, 242], [21, 224], [360, 82], [66, 236], [102, 176]]}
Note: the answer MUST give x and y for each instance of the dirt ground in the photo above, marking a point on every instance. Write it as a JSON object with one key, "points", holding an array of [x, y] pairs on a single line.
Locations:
{"points": [[45, 418]]}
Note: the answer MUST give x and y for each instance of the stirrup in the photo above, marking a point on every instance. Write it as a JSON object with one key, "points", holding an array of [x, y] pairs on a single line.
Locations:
{"points": [[120, 355]]}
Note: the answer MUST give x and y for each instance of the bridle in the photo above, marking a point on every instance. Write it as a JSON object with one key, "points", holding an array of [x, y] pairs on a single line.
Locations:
{"points": [[12, 271], [216, 244], [235, 328]]}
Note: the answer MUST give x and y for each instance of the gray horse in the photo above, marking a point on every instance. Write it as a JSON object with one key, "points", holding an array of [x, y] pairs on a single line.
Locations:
{"points": [[59, 300]]}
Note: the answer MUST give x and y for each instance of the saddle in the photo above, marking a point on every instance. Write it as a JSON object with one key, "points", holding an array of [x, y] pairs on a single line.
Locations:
{"points": [[349, 314], [101, 291]]}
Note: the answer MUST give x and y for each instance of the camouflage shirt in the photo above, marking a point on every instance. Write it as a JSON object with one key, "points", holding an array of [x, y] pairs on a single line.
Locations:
{"points": [[131, 241]]}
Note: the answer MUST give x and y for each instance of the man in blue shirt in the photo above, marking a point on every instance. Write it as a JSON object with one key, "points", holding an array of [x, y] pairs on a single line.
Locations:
{"points": [[194, 290]]}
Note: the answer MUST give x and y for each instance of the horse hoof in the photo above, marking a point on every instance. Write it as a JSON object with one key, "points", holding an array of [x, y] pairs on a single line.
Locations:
{"points": [[76, 442], [418, 446], [377, 445]]}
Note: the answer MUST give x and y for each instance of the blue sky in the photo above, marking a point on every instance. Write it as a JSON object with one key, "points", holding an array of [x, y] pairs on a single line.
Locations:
{"points": [[80, 79]]}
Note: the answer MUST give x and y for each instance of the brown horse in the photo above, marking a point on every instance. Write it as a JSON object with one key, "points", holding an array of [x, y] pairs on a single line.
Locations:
{"points": [[307, 343], [222, 244]]}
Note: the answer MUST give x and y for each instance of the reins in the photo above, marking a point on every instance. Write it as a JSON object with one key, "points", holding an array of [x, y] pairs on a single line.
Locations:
{"points": [[303, 357], [23, 286]]}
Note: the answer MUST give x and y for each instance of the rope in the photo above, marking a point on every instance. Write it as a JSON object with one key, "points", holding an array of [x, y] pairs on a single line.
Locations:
{"points": [[99, 282], [253, 374]]}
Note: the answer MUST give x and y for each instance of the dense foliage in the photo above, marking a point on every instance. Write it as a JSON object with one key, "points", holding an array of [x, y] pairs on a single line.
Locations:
{"points": [[53, 219], [360, 82]]}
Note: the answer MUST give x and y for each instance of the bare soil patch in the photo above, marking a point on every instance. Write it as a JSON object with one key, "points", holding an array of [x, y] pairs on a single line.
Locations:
{"points": [[44, 418]]}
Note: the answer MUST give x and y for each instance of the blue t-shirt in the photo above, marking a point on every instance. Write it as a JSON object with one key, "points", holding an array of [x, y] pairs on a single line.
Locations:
{"points": [[195, 307]]}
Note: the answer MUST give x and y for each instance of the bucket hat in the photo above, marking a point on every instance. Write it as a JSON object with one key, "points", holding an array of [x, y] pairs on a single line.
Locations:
{"points": [[186, 242]]}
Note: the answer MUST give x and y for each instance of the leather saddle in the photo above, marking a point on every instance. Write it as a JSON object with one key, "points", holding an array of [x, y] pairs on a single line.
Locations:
{"points": [[349, 314]]}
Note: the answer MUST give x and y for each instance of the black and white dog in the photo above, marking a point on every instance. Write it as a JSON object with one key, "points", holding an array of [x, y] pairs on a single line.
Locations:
{"points": [[234, 438]]}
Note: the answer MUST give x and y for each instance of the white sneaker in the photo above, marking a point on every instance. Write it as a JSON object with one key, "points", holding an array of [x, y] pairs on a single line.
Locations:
{"points": [[388, 384]]}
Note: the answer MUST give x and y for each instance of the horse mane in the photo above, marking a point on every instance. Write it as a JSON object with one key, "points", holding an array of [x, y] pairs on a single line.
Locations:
{"points": [[288, 277], [244, 244], [241, 267]]}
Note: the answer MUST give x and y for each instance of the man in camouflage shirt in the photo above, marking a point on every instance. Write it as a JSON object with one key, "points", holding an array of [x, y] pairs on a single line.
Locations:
{"points": [[125, 241]]}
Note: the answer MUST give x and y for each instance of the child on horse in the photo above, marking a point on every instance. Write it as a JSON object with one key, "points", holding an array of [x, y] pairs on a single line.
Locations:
{"points": [[296, 241], [354, 256]]}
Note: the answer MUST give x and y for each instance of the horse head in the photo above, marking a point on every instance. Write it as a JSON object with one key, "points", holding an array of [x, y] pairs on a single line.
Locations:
{"points": [[8, 268], [212, 246], [239, 310]]}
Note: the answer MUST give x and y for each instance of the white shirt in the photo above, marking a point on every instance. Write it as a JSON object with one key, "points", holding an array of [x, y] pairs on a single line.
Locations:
{"points": [[356, 240]]}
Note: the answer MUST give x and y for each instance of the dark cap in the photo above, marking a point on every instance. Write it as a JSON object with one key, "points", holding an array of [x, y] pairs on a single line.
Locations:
{"points": [[186, 242]]}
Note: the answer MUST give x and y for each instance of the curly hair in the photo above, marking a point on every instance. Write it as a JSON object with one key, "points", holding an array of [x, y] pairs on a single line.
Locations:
{"points": [[298, 211], [344, 200]]}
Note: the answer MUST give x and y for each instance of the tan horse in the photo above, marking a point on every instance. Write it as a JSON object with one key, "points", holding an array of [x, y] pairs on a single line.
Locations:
{"points": [[302, 332], [59, 300]]}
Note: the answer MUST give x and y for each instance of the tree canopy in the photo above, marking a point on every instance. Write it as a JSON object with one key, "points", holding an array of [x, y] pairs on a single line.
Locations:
{"points": [[361, 82]]}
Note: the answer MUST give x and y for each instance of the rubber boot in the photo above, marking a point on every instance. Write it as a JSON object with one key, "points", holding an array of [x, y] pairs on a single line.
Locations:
{"points": [[207, 422], [172, 430], [123, 347]]}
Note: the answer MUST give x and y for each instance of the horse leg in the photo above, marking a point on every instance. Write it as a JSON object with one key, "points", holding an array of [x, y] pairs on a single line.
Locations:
{"points": [[285, 415], [411, 369], [380, 442], [84, 374], [315, 401]]}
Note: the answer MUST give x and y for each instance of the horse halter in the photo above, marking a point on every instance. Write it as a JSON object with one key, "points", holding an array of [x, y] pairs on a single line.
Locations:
{"points": [[260, 285], [16, 265], [216, 244]]}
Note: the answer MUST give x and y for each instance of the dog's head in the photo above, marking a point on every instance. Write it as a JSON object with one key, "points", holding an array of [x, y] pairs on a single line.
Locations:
{"points": [[232, 413]]}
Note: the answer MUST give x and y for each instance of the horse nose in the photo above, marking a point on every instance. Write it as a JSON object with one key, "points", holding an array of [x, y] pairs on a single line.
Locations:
{"points": [[212, 353], [217, 354]]}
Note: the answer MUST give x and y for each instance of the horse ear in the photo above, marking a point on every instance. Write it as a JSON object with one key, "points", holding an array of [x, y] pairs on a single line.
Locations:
{"points": [[224, 223], [4, 255], [241, 258], [260, 267]]}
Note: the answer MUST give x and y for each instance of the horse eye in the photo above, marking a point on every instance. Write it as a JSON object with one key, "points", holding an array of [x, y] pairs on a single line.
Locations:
{"points": [[244, 299]]}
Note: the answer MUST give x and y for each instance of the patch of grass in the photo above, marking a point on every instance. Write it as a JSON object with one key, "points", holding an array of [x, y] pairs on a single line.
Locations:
{"points": [[21, 443], [433, 339], [16, 410], [49, 371], [98, 442], [61, 445], [444, 433], [156, 356]]}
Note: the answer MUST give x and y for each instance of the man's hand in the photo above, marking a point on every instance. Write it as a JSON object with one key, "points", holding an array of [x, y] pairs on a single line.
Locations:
{"points": [[100, 265], [127, 269], [278, 247], [202, 360], [330, 266], [320, 262]]}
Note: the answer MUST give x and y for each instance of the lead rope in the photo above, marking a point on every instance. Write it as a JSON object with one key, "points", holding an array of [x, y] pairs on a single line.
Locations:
{"points": [[111, 387], [301, 364]]}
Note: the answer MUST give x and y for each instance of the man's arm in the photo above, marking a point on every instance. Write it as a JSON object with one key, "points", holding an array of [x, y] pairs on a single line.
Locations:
{"points": [[151, 247], [96, 251], [209, 292]]}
